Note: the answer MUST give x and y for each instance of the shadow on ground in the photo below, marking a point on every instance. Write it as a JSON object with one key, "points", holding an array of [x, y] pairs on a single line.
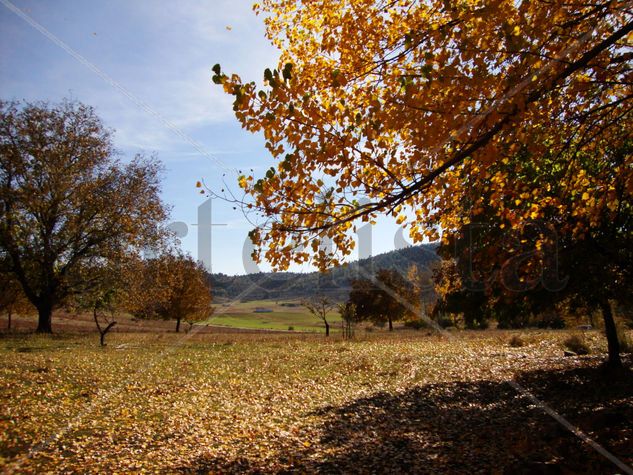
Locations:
{"points": [[466, 427]]}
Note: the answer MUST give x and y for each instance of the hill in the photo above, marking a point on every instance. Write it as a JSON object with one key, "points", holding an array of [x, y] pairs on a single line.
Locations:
{"points": [[335, 283]]}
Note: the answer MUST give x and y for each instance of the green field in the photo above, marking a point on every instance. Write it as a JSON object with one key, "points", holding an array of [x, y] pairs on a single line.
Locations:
{"points": [[243, 315], [271, 403]]}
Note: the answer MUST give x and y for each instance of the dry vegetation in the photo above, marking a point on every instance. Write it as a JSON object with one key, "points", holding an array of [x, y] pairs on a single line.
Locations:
{"points": [[409, 402]]}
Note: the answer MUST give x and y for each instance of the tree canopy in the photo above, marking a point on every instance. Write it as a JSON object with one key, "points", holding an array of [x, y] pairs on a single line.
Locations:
{"points": [[384, 298], [169, 286], [402, 107], [573, 258], [66, 203]]}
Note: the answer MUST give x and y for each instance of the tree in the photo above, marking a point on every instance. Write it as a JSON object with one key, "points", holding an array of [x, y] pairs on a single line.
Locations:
{"points": [[66, 202], [386, 298], [104, 298], [555, 259], [319, 306], [349, 318], [399, 108], [170, 287], [422, 288], [456, 298], [12, 298]]}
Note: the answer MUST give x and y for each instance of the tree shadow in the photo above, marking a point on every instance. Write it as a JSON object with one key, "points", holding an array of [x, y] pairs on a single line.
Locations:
{"points": [[467, 427]]}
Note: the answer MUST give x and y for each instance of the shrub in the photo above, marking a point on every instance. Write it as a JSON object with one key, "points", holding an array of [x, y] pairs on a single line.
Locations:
{"points": [[626, 345], [517, 342], [577, 344], [291, 328], [553, 321], [416, 324], [445, 322]]}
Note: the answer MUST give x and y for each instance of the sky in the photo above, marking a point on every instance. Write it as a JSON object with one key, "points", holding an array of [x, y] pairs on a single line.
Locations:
{"points": [[145, 67]]}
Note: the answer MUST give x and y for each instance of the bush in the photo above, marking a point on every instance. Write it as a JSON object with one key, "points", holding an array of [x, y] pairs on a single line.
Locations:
{"points": [[291, 328], [416, 324], [553, 321], [626, 345], [445, 322], [577, 344], [517, 342]]}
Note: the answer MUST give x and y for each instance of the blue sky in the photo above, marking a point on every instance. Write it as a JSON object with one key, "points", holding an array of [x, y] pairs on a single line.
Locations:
{"points": [[161, 53]]}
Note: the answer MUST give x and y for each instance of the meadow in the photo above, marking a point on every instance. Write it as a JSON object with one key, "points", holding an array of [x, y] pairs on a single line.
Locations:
{"points": [[205, 402], [282, 315]]}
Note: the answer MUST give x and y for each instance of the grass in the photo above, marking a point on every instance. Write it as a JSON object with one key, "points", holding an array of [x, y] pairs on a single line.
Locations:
{"points": [[243, 315], [277, 402]]}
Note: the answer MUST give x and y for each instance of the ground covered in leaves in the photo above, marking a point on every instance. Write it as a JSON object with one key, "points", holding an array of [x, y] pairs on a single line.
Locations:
{"points": [[410, 402]]}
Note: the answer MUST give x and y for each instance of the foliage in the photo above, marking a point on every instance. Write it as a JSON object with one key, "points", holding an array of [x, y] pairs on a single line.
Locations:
{"points": [[400, 108], [12, 298], [170, 286], [66, 203], [454, 298], [385, 298], [548, 267]]}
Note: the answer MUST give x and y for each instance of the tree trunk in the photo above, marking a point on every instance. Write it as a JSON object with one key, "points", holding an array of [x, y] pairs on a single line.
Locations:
{"points": [[44, 321], [327, 328], [177, 325], [105, 332], [9, 314], [390, 324], [612, 335], [102, 332]]}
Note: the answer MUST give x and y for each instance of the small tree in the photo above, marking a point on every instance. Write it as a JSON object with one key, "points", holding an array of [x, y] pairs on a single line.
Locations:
{"points": [[348, 319], [319, 306], [104, 310], [12, 298], [171, 286], [103, 299]]}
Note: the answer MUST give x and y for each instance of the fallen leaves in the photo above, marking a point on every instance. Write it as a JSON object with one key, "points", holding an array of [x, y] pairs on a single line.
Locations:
{"points": [[281, 403]]}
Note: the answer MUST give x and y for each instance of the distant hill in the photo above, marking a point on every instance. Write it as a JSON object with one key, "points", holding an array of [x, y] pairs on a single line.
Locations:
{"points": [[335, 283]]}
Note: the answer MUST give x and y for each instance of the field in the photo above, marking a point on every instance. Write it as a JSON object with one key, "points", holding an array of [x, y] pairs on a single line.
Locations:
{"points": [[289, 402], [284, 315]]}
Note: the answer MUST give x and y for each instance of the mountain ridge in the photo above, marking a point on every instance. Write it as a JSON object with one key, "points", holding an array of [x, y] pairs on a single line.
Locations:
{"points": [[335, 283]]}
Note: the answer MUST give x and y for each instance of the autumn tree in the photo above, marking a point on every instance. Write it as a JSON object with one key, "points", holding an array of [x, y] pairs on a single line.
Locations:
{"points": [[171, 286], [423, 292], [570, 259], [12, 298], [458, 299], [66, 201], [402, 108], [406, 104], [320, 306], [385, 298]]}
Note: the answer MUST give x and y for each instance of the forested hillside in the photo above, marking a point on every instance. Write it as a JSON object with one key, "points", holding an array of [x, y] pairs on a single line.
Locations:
{"points": [[336, 283]]}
